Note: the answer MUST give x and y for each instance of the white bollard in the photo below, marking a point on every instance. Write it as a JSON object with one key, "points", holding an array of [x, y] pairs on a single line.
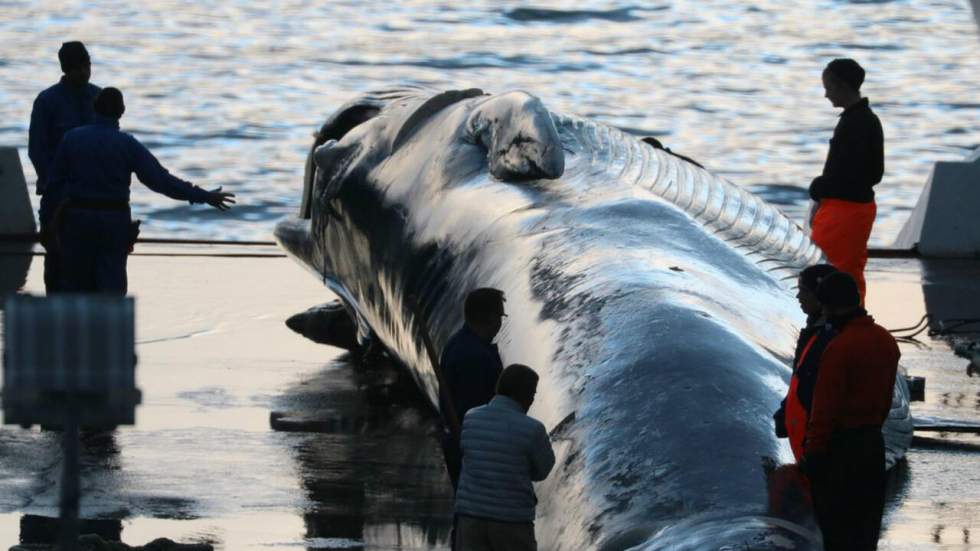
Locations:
{"points": [[945, 222], [16, 214]]}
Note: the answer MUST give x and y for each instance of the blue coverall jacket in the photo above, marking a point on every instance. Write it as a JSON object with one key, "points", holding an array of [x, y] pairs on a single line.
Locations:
{"points": [[96, 163], [56, 110], [90, 176]]}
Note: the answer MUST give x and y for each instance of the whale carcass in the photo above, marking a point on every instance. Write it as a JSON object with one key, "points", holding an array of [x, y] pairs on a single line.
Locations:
{"points": [[652, 297]]}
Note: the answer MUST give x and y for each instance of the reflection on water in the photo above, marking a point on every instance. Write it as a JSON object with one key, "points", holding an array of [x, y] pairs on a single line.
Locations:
{"points": [[374, 480], [228, 95], [380, 482]]}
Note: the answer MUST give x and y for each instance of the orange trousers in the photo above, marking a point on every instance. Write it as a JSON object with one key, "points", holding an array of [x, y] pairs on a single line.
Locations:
{"points": [[841, 229]]}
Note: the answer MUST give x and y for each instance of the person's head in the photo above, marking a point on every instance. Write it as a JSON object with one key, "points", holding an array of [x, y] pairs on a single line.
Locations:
{"points": [[484, 311], [109, 103], [842, 79], [839, 295], [75, 63], [806, 289], [519, 383]]}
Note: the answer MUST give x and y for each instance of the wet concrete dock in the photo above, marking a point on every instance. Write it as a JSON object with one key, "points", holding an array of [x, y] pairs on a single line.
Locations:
{"points": [[355, 464]]}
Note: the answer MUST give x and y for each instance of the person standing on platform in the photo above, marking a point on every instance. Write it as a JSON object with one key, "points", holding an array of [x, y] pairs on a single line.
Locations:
{"points": [[90, 179], [844, 451], [504, 452], [793, 413], [66, 105], [470, 365], [846, 210]]}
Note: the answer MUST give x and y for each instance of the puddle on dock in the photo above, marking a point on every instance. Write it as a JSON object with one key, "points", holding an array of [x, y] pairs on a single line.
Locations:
{"points": [[203, 463]]}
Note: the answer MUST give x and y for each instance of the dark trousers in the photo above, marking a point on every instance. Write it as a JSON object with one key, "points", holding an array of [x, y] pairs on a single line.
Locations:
{"points": [[94, 250], [453, 454], [52, 260], [476, 534], [849, 495], [52, 271]]}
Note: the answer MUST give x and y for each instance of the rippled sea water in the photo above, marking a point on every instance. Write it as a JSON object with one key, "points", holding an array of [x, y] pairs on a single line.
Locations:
{"points": [[228, 93]]}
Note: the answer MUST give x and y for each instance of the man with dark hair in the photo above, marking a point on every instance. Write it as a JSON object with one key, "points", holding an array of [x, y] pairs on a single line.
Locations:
{"points": [[470, 365], [845, 199], [794, 411], [90, 179], [504, 451], [844, 451], [58, 109]]}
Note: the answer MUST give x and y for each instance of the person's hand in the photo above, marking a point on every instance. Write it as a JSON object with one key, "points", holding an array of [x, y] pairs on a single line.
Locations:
{"points": [[779, 420], [220, 200]]}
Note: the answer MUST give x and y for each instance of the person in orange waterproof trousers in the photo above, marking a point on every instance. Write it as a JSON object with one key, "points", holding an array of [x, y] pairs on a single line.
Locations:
{"points": [[794, 411], [845, 213], [844, 451]]}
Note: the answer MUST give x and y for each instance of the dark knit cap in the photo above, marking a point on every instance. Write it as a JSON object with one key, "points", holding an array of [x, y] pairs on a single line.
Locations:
{"points": [[847, 71], [73, 55], [839, 290], [109, 103], [811, 276]]}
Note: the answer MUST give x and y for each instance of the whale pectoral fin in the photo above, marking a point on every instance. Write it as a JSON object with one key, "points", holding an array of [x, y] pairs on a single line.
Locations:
{"points": [[520, 137]]}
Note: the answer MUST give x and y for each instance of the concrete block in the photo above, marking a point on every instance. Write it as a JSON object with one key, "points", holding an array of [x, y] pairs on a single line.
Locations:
{"points": [[16, 213], [945, 221]]}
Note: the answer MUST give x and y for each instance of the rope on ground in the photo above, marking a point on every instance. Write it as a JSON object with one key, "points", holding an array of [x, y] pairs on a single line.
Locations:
{"points": [[947, 326], [918, 325]]}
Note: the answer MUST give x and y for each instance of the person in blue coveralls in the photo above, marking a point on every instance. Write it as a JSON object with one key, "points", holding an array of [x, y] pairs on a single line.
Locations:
{"points": [[58, 109], [89, 182]]}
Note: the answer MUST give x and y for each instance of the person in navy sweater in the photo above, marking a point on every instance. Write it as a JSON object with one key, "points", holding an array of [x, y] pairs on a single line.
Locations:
{"points": [[59, 108], [89, 189], [471, 365]]}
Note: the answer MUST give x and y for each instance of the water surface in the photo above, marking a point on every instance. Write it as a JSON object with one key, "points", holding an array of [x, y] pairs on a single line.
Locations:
{"points": [[228, 93]]}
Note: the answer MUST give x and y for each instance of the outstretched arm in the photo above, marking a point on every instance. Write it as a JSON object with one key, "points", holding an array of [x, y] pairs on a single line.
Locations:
{"points": [[149, 171]]}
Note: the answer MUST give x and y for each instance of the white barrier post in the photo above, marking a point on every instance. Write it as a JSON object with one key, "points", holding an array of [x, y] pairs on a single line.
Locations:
{"points": [[69, 362]]}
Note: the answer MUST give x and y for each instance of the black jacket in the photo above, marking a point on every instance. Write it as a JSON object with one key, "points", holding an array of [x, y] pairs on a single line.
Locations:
{"points": [[471, 367], [856, 160]]}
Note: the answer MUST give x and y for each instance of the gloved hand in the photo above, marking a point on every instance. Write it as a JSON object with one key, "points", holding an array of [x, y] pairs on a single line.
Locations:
{"points": [[779, 420]]}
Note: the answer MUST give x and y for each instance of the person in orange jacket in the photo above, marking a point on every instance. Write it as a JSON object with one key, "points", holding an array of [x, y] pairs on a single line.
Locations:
{"points": [[844, 451], [846, 210], [794, 411]]}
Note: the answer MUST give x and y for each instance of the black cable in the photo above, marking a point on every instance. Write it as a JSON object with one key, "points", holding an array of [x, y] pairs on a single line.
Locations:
{"points": [[914, 327]]}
